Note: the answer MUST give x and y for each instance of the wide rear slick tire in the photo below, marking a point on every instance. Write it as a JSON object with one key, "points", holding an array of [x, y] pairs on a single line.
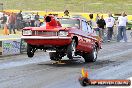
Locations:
{"points": [[52, 55], [91, 57], [30, 50], [71, 49], [55, 56]]}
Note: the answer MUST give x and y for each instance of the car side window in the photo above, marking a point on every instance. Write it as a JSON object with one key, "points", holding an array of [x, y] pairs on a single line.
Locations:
{"points": [[84, 26]]}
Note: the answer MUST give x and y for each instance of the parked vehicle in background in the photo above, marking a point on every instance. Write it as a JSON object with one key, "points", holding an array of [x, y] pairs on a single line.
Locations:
{"points": [[129, 25]]}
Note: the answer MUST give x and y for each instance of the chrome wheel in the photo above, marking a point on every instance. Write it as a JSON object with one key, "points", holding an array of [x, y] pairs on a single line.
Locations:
{"points": [[73, 48], [95, 54]]}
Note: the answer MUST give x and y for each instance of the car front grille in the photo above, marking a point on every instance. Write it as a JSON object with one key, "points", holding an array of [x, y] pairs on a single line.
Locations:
{"points": [[44, 33]]}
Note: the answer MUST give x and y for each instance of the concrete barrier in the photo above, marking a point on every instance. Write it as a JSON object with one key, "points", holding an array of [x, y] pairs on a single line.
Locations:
{"points": [[12, 46], [23, 46]]}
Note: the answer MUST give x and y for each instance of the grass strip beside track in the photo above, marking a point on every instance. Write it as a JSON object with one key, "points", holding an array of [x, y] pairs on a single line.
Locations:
{"points": [[103, 6]]}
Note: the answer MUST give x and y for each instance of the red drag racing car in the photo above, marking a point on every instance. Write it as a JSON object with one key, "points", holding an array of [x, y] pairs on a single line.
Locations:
{"points": [[65, 36]]}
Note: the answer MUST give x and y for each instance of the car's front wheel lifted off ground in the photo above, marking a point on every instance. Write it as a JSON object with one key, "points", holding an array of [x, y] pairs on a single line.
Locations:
{"points": [[30, 50]]}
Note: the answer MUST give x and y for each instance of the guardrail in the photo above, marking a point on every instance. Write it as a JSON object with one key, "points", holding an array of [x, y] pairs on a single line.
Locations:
{"points": [[12, 46]]}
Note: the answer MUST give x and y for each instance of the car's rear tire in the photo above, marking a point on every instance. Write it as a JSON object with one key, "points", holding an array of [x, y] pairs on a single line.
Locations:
{"points": [[30, 50], [55, 56], [71, 49], [91, 57]]}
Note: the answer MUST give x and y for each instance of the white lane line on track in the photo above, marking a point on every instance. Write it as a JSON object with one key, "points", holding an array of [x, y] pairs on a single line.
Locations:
{"points": [[122, 86]]}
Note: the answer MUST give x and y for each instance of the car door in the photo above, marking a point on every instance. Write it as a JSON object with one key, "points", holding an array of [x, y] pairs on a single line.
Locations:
{"points": [[92, 34], [82, 36], [86, 39]]}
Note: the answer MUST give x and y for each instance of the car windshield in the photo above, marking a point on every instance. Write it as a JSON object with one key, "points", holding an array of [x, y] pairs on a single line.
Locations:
{"points": [[69, 22]]}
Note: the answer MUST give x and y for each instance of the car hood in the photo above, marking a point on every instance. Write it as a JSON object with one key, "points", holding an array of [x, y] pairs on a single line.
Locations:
{"points": [[49, 29]]}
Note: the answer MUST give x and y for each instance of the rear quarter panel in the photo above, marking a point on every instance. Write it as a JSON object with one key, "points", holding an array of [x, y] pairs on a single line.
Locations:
{"points": [[85, 41]]}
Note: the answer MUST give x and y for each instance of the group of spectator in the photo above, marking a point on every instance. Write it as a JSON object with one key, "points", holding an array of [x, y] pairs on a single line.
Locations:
{"points": [[15, 21], [34, 20], [101, 25], [12, 21]]}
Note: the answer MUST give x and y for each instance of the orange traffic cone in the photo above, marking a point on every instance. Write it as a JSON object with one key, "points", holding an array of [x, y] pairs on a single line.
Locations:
{"points": [[5, 30]]}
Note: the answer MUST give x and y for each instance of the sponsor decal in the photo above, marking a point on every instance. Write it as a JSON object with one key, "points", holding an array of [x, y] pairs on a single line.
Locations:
{"points": [[11, 47]]}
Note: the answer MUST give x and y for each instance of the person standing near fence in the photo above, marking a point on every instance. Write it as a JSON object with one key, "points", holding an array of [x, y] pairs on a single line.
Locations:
{"points": [[91, 22], [3, 21], [122, 22], [97, 17], [37, 22], [101, 25], [110, 21], [11, 23], [32, 20], [19, 19], [66, 14]]}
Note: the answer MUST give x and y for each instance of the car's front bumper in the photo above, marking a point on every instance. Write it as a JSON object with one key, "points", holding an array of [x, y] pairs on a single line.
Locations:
{"points": [[46, 40], [43, 37]]}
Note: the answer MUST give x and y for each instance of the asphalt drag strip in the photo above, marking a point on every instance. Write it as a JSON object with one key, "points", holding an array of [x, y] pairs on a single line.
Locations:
{"points": [[114, 62]]}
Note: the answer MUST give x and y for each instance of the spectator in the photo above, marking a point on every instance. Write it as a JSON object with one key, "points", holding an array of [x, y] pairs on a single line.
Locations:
{"points": [[3, 21], [1, 15], [110, 21], [37, 21], [19, 16], [66, 14], [92, 23], [97, 17], [122, 21], [32, 20], [101, 25], [11, 23], [19, 19]]}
